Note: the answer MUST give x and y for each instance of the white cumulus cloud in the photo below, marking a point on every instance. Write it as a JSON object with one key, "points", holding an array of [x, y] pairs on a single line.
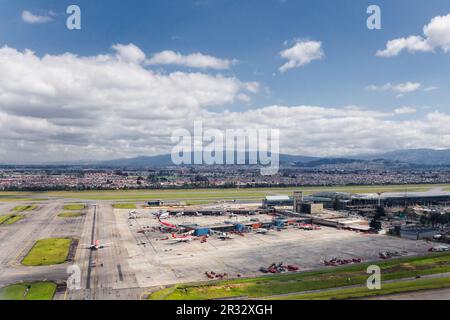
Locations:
{"points": [[401, 88], [436, 35], [405, 110], [129, 53], [29, 17], [302, 53], [69, 107], [194, 60]]}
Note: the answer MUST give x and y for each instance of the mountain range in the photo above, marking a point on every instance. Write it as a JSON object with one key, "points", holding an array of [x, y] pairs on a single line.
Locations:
{"points": [[415, 157]]}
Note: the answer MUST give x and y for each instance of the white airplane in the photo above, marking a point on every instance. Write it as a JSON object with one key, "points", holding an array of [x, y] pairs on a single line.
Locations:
{"points": [[181, 238], [162, 215], [189, 233], [222, 235], [97, 245], [439, 249], [132, 214], [262, 231]]}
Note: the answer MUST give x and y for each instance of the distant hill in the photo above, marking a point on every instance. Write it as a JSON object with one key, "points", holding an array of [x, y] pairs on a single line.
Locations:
{"points": [[418, 157], [400, 158], [166, 160], [139, 162], [331, 161], [414, 156]]}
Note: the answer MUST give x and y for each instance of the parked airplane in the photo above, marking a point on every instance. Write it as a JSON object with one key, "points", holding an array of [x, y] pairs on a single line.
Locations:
{"points": [[162, 215], [168, 225], [189, 233], [262, 231], [181, 238], [439, 249], [222, 235]]}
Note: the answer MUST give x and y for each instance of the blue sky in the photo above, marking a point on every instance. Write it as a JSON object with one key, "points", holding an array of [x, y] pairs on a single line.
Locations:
{"points": [[255, 32]]}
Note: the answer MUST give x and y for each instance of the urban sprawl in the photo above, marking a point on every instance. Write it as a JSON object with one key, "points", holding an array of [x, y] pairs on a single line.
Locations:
{"points": [[36, 179]]}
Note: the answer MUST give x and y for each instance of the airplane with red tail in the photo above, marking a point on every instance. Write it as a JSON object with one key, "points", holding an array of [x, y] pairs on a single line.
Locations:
{"points": [[97, 245], [181, 238]]}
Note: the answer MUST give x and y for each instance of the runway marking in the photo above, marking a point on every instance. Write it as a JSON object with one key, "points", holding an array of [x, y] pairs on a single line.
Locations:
{"points": [[15, 262], [88, 275], [119, 270]]}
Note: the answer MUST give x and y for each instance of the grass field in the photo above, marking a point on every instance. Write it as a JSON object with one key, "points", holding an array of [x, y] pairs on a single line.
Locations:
{"points": [[73, 214], [10, 219], [25, 208], [124, 206], [359, 292], [4, 218], [213, 194], [299, 282], [75, 206], [29, 291], [48, 252]]}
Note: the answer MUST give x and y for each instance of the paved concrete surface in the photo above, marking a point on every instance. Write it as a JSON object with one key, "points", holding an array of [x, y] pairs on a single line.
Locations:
{"points": [[163, 262], [133, 262]]}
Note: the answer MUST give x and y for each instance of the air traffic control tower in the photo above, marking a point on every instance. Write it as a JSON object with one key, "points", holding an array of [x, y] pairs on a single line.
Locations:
{"points": [[298, 200]]}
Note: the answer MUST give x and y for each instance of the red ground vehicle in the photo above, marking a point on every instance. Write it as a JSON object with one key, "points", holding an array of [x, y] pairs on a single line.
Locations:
{"points": [[291, 267]]}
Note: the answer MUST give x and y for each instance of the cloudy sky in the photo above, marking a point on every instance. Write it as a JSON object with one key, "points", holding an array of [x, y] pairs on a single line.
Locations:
{"points": [[138, 70]]}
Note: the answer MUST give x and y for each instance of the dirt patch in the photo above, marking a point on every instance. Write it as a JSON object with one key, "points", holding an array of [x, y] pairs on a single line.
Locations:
{"points": [[72, 250]]}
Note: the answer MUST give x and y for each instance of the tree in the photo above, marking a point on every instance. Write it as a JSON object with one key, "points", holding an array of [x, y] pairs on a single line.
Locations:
{"points": [[380, 213], [410, 214], [375, 225], [337, 204], [435, 218]]}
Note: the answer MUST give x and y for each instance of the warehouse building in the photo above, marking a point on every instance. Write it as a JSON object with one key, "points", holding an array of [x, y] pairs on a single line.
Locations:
{"points": [[417, 233], [403, 199], [274, 201]]}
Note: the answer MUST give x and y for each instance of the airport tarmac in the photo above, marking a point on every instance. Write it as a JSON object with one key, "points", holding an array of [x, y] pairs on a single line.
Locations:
{"points": [[132, 263], [158, 262]]}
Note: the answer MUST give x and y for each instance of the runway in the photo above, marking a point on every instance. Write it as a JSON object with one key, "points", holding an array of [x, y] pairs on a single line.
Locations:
{"points": [[105, 271]]}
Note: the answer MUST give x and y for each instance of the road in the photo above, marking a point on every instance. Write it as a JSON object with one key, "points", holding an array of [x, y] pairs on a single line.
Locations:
{"points": [[106, 273]]}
